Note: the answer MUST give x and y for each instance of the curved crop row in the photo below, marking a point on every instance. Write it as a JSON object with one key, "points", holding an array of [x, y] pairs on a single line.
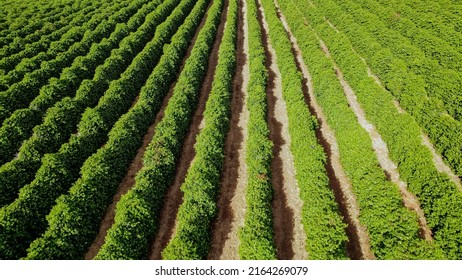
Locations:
{"points": [[256, 236], [407, 87], [62, 121], [19, 125], [22, 56], [59, 171], [137, 211], [28, 20], [74, 220], [48, 25], [20, 94], [393, 229], [440, 199], [435, 47], [443, 8], [429, 20], [440, 83], [325, 230], [18, 66], [198, 210]]}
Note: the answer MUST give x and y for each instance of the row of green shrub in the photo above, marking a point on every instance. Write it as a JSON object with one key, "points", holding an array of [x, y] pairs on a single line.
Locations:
{"points": [[138, 211], [325, 231], [61, 122], [74, 221], [257, 235], [440, 198], [60, 170], [393, 229], [434, 47], [23, 48], [425, 15], [20, 65], [202, 183], [24, 89], [409, 88], [18, 127], [442, 83], [14, 29]]}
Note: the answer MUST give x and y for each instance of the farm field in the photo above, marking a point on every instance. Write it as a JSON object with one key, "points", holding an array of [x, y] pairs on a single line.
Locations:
{"points": [[231, 129]]}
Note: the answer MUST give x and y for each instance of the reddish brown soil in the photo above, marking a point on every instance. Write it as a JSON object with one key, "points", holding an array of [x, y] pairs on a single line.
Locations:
{"points": [[127, 183], [438, 161], [231, 201], [289, 234], [359, 244], [174, 196]]}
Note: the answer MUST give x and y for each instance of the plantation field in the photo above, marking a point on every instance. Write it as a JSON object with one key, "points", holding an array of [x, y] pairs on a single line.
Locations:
{"points": [[231, 129]]}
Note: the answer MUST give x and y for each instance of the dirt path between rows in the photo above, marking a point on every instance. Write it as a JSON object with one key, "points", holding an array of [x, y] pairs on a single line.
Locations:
{"points": [[289, 235], [174, 196], [438, 161], [381, 150], [231, 202], [127, 183], [359, 242]]}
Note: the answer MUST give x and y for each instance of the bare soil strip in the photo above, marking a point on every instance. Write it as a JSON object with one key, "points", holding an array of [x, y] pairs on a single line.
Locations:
{"points": [[381, 150], [290, 237], [127, 183], [129, 180], [174, 196], [331, 25], [231, 201], [359, 243], [440, 165]]}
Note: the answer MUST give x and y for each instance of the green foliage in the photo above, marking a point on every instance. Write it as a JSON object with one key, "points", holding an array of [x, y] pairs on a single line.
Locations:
{"points": [[202, 182], [137, 211], [393, 229], [61, 120], [88, 198], [19, 93], [53, 180], [256, 236], [324, 228], [425, 90], [435, 191], [39, 23]]}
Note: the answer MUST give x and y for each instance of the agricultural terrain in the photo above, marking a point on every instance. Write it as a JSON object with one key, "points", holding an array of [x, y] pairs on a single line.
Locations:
{"points": [[231, 129]]}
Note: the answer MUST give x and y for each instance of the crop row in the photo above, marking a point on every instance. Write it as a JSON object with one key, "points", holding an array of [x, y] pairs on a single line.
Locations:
{"points": [[440, 198], [429, 20], [18, 65], [433, 46], [200, 189], [449, 12], [393, 229], [325, 231], [20, 94], [441, 82], [18, 126], [57, 21], [138, 210], [407, 87], [35, 20], [256, 236], [59, 171], [74, 221]]}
